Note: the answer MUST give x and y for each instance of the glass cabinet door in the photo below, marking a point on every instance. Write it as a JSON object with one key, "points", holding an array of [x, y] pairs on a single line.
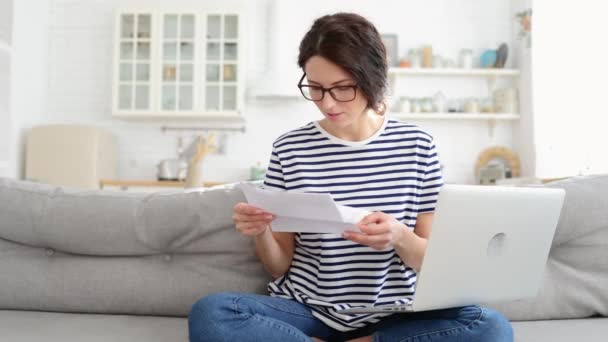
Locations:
{"points": [[170, 63], [134, 61], [222, 54], [178, 62]]}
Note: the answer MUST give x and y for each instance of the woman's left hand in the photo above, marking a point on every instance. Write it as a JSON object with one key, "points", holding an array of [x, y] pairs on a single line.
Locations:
{"points": [[378, 231]]}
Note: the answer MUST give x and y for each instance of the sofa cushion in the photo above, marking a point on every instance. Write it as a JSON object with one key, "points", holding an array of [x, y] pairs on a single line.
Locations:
{"points": [[73, 250], [114, 223], [24, 326], [563, 330], [576, 276], [62, 327]]}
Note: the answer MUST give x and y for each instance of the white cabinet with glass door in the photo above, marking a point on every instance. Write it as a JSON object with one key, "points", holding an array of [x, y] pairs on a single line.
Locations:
{"points": [[178, 64], [133, 81], [222, 62]]}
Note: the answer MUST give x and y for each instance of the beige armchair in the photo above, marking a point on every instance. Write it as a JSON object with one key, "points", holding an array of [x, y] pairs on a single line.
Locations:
{"points": [[68, 155]]}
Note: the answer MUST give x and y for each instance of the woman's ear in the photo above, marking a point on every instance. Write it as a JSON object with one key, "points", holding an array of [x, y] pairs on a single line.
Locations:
{"points": [[381, 110]]}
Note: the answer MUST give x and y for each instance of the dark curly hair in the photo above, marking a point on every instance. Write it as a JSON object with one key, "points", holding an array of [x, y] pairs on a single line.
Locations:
{"points": [[353, 43]]}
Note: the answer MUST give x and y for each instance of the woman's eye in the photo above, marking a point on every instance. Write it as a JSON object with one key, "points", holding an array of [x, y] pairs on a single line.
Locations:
{"points": [[344, 88]]}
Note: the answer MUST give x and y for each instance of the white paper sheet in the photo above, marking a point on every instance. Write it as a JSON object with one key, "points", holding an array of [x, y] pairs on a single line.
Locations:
{"points": [[304, 212]]}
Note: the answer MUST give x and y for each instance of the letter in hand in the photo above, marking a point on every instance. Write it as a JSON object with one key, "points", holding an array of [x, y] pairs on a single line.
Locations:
{"points": [[249, 220]]}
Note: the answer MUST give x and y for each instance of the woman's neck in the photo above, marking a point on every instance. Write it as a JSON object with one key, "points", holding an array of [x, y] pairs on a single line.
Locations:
{"points": [[363, 128]]}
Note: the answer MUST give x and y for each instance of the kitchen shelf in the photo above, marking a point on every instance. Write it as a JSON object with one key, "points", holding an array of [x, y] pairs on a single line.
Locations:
{"points": [[455, 116], [454, 72]]}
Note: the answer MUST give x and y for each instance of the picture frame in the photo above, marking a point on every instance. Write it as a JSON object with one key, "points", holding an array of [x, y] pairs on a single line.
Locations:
{"points": [[391, 43]]}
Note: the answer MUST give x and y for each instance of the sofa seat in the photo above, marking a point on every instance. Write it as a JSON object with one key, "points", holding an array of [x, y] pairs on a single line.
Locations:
{"points": [[27, 326], [562, 330]]}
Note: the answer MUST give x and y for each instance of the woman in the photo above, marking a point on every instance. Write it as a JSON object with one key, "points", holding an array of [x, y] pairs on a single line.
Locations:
{"points": [[363, 160]]}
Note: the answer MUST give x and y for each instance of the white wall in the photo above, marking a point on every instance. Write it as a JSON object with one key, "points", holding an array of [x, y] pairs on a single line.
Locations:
{"points": [[523, 138], [27, 74], [79, 76], [5, 119], [6, 19], [570, 90]]}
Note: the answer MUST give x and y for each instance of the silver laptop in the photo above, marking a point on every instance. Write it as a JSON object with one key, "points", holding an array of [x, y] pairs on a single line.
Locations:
{"points": [[488, 244]]}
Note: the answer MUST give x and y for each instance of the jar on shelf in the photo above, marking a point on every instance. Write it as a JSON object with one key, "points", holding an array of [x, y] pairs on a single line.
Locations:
{"points": [[449, 63], [427, 105], [415, 106], [506, 100], [414, 58], [439, 103], [427, 56], [438, 61], [405, 105], [471, 105], [395, 105], [466, 58], [454, 106], [486, 105]]}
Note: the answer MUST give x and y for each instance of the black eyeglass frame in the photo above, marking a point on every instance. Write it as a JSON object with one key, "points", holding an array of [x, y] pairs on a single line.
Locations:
{"points": [[323, 90]]}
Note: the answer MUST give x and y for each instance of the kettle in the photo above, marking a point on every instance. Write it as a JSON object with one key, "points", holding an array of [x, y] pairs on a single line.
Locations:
{"points": [[172, 170]]}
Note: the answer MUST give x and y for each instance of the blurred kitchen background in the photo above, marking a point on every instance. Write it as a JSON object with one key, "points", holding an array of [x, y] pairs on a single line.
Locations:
{"points": [[157, 79]]}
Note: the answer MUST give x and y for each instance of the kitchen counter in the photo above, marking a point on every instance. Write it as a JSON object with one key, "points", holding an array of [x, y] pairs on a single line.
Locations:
{"points": [[147, 185]]}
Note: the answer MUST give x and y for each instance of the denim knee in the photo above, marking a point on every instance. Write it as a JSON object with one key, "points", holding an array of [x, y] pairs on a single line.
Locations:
{"points": [[213, 304], [496, 325], [205, 317]]}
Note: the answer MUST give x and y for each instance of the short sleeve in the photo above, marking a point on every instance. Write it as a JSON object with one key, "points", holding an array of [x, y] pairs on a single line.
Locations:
{"points": [[431, 181], [274, 179]]}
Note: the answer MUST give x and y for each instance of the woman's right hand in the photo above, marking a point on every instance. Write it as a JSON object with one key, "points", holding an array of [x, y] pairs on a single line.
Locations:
{"points": [[249, 220]]}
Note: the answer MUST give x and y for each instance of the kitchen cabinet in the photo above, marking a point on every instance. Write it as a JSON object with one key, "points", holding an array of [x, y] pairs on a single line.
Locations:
{"points": [[178, 64]]}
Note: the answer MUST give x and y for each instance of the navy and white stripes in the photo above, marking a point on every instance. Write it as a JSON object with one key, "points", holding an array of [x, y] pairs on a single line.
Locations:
{"points": [[396, 171]]}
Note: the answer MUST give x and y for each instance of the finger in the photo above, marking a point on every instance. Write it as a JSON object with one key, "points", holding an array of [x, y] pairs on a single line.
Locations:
{"points": [[247, 209], [374, 228], [374, 217], [375, 241], [252, 223], [236, 217], [248, 226], [252, 232]]}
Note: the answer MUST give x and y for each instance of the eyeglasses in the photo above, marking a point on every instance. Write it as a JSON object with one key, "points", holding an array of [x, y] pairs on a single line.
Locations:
{"points": [[341, 93]]}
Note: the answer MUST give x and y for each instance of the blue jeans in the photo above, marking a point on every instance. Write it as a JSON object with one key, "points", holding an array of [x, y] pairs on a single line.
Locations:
{"points": [[250, 317]]}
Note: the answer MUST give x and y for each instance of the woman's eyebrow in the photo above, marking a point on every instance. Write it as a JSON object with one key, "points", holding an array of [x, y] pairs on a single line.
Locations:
{"points": [[344, 80]]}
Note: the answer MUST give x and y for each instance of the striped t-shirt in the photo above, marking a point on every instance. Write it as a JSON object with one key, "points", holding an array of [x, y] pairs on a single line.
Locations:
{"points": [[395, 171]]}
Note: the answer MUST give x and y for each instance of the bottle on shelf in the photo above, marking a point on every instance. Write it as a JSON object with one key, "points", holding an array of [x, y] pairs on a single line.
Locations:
{"points": [[439, 102]]}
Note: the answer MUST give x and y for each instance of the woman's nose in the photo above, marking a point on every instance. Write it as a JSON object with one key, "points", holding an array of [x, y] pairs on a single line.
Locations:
{"points": [[327, 101]]}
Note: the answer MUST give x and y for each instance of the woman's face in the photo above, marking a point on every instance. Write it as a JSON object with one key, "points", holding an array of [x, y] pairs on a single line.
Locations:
{"points": [[324, 73]]}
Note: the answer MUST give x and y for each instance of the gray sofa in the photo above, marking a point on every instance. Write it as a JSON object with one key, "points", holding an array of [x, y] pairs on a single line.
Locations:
{"points": [[82, 265]]}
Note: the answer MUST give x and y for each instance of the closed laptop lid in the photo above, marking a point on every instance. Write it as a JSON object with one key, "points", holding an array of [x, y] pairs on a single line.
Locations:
{"points": [[487, 244]]}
